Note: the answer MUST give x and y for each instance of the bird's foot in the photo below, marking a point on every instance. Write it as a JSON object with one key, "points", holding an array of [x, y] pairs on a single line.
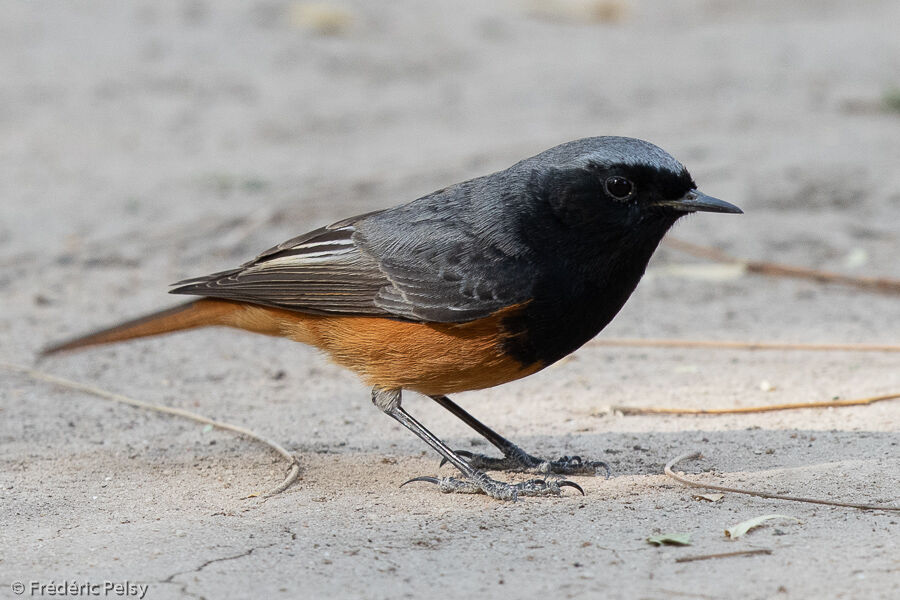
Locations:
{"points": [[516, 459], [482, 484]]}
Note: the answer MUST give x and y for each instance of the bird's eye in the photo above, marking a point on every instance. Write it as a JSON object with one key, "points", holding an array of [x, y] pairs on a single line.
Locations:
{"points": [[619, 187]]}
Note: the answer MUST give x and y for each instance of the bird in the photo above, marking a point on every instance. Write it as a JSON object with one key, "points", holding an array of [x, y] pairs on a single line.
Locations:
{"points": [[469, 287]]}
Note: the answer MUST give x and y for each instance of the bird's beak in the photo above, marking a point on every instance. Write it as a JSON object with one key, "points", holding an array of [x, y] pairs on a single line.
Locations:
{"points": [[696, 200]]}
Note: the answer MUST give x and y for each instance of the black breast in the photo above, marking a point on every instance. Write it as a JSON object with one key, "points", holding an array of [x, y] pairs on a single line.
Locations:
{"points": [[576, 296]]}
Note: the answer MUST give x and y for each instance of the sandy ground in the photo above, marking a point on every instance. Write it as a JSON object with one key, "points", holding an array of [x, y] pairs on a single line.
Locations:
{"points": [[143, 142]]}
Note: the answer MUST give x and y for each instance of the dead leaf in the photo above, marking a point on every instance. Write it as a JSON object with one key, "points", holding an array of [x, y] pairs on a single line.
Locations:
{"points": [[700, 272], [672, 539], [736, 531], [321, 17], [766, 386], [579, 11], [856, 258], [708, 497]]}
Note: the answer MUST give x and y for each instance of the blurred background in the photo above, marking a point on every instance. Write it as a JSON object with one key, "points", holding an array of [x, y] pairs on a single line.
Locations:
{"points": [[182, 136]]}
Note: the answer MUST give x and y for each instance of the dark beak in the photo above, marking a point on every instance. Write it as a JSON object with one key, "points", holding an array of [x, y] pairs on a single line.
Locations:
{"points": [[697, 201]]}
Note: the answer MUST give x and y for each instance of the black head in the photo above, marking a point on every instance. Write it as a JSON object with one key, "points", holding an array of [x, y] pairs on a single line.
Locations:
{"points": [[617, 186], [600, 206]]}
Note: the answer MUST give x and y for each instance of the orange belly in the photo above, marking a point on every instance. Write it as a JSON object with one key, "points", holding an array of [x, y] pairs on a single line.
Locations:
{"points": [[431, 358]]}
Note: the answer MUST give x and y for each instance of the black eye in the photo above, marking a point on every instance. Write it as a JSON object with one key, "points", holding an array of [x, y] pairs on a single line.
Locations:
{"points": [[619, 187]]}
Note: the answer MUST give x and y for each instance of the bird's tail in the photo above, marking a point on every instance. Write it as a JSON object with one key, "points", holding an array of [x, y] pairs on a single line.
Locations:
{"points": [[198, 313]]}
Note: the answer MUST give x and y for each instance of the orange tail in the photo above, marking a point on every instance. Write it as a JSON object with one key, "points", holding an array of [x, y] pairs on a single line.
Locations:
{"points": [[199, 313]]}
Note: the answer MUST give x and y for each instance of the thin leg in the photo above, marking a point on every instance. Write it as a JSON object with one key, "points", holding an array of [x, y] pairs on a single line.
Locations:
{"points": [[514, 458], [475, 481]]}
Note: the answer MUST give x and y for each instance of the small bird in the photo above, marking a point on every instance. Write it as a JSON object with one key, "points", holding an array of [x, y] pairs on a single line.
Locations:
{"points": [[469, 287]]}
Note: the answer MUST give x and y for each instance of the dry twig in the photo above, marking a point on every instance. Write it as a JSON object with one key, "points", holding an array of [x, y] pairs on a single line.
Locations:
{"points": [[179, 412], [650, 410], [735, 345], [875, 284], [720, 488], [723, 555]]}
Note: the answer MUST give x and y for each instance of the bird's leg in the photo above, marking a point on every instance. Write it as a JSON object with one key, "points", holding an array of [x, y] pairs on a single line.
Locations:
{"points": [[475, 482], [514, 458]]}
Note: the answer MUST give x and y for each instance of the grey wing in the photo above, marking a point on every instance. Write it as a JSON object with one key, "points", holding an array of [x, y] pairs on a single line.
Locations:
{"points": [[449, 291], [410, 271], [322, 271], [443, 270]]}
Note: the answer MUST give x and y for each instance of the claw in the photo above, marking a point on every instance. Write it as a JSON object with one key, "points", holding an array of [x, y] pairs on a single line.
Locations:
{"points": [[463, 453], [565, 483], [605, 466], [523, 462], [433, 480]]}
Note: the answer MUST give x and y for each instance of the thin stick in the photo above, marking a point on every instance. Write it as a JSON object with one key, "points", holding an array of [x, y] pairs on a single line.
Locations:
{"points": [[630, 410], [709, 486], [179, 412], [876, 284], [723, 555], [735, 345]]}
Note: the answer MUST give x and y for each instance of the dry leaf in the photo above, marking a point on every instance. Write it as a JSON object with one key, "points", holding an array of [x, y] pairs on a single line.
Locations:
{"points": [[708, 497], [856, 258], [673, 539], [321, 17], [579, 11], [736, 531], [700, 271]]}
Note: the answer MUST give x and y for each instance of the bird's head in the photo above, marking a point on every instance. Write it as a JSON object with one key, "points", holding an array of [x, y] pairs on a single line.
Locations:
{"points": [[615, 186]]}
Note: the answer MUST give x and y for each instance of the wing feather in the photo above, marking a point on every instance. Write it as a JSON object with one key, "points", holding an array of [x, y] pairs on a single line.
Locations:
{"points": [[322, 271], [435, 259]]}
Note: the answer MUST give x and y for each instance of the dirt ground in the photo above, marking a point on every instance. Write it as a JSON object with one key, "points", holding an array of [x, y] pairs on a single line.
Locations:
{"points": [[143, 142]]}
